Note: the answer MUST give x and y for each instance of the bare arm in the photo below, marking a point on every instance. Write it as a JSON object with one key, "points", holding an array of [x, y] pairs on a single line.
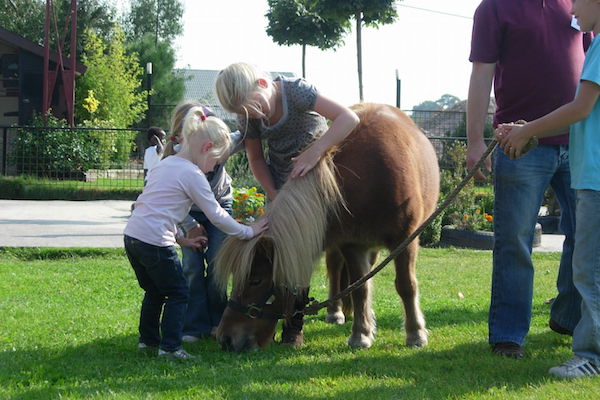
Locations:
{"points": [[344, 120], [259, 167], [480, 86], [512, 138]]}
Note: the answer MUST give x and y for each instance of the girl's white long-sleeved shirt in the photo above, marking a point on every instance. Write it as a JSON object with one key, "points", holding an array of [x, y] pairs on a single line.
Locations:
{"points": [[174, 185]]}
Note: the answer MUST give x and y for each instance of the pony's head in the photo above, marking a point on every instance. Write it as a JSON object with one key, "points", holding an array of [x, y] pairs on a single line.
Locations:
{"points": [[271, 271]]}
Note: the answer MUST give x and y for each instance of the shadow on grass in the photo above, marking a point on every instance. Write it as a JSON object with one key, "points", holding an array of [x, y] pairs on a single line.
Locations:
{"points": [[112, 366], [389, 369]]}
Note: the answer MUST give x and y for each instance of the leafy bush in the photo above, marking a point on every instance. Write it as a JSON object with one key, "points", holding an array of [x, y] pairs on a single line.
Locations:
{"points": [[48, 150], [237, 166], [115, 146], [53, 149], [473, 207]]}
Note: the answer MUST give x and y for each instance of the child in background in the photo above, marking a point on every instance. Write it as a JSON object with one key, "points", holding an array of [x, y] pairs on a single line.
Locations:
{"points": [[289, 114], [206, 301], [153, 153], [149, 236], [583, 114]]}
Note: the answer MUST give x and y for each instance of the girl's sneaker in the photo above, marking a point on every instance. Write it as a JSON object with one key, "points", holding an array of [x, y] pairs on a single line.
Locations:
{"points": [[189, 339], [175, 355], [576, 367]]}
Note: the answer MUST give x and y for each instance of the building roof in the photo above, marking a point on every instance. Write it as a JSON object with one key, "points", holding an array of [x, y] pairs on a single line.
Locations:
{"points": [[200, 83], [16, 40]]}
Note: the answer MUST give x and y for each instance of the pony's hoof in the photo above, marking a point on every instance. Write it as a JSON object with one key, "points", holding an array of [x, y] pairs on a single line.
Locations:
{"points": [[337, 318], [360, 341], [417, 339], [294, 339]]}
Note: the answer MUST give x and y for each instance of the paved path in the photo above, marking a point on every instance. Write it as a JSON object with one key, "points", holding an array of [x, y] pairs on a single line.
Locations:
{"points": [[57, 223]]}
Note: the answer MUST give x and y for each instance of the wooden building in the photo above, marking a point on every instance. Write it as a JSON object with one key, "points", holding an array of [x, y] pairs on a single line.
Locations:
{"points": [[21, 80]]}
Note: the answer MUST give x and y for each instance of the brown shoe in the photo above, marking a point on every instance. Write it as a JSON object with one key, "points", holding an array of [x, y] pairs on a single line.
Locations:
{"points": [[559, 329], [508, 349]]}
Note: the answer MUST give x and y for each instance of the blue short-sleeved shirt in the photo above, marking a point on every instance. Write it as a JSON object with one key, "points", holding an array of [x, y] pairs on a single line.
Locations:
{"points": [[584, 143]]}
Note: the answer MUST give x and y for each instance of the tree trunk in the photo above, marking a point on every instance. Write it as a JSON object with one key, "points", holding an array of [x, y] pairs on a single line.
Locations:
{"points": [[358, 17], [304, 61]]}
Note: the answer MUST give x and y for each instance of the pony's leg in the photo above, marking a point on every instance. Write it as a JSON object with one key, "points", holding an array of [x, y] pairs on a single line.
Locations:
{"points": [[337, 282], [292, 332], [358, 262], [408, 289]]}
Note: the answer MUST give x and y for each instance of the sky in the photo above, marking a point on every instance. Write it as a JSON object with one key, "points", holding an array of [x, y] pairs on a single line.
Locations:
{"points": [[429, 50]]}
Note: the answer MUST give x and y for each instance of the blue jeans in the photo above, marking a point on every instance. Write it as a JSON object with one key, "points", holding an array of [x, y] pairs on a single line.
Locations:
{"points": [[159, 273], [206, 303], [519, 187], [586, 275]]}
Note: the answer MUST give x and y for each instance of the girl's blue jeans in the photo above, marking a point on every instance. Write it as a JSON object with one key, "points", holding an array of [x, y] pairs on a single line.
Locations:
{"points": [[519, 187], [159, 273], [586, 275], [207, 302]]}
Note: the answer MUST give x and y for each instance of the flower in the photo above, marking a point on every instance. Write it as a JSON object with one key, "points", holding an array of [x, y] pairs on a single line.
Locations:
{"points": [[90, 103], [472, 219], [248, 204]]}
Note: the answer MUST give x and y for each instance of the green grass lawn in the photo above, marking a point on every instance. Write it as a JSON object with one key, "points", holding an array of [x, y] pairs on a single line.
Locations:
{"points": [[68, 330]]}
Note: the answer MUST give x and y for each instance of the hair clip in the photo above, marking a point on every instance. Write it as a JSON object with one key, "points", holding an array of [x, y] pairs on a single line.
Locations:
{"points": [[173, 139], [203, 117]]}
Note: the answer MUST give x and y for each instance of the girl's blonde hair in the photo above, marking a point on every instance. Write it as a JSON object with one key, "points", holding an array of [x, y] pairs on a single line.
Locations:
{"points": [[177, 118], [197, 125], [234, 86]]}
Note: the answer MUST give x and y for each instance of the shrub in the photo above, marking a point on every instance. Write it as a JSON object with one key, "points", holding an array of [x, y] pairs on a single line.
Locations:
{"points": [[52, 149], [114, 146], [48, 150], [237, 166], [471, 210]]}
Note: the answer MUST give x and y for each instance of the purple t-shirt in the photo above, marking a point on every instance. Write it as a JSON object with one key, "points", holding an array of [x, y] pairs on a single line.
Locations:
{"points": [[538, 56]]}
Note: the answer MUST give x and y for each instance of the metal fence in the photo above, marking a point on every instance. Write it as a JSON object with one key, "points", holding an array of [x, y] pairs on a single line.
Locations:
{"points": [[74, 157], [99, 158]]}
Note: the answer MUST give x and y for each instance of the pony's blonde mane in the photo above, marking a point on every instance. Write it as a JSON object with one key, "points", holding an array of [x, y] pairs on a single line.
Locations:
{"points": [[298, 219]]}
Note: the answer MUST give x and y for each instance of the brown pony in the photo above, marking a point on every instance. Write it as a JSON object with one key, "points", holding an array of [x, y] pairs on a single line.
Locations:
{"points": [[378, 187]]}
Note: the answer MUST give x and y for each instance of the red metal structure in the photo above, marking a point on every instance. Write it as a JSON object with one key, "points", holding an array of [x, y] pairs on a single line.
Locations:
{"points": [[65, 67]]}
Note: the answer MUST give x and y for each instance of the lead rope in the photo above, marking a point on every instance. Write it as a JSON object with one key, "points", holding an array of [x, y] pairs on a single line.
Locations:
{"points": [[315, 306]]}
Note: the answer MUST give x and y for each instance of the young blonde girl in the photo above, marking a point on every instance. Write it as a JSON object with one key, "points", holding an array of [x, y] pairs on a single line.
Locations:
{"points": [[289, 114], [207, 300], [150, 234]]}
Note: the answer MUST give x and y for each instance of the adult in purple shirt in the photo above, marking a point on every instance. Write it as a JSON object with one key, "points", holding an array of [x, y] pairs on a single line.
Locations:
{"points": [[534, 57]]}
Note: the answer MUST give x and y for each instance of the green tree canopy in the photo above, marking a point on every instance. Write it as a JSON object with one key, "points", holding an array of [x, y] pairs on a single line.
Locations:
{"points": [[95, 15], [110, 90], [445, 102], [152, 26], [162, 18], [167, 86], [371, 13], [25, 17], [296, 22]]}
